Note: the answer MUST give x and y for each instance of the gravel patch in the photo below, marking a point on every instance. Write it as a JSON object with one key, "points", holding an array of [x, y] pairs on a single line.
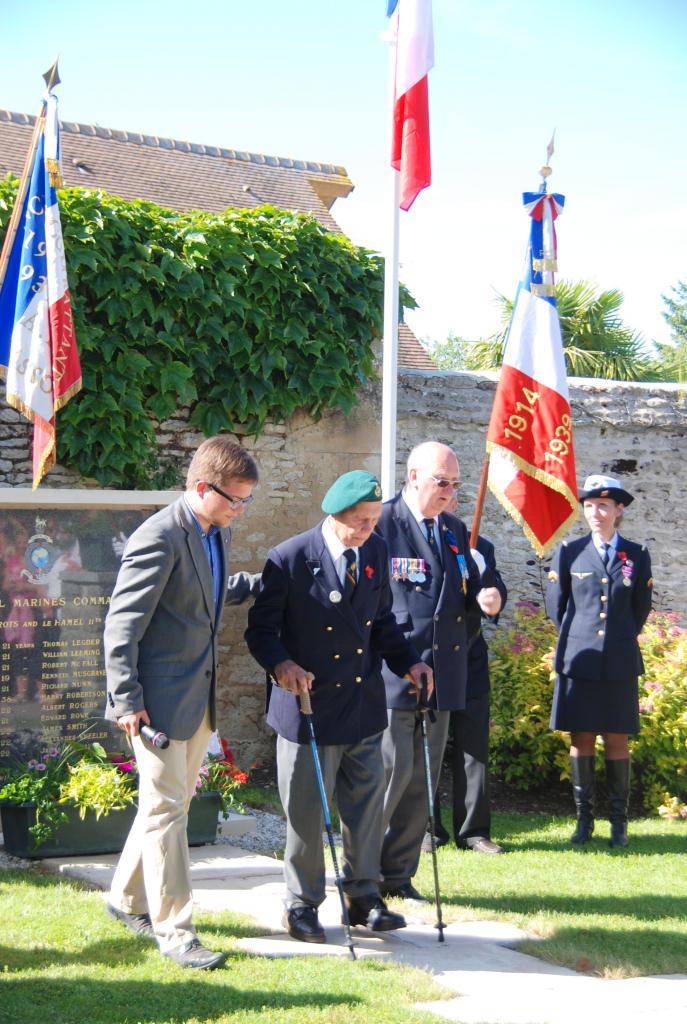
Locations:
{"points": [[8, 863], [270, 835]]}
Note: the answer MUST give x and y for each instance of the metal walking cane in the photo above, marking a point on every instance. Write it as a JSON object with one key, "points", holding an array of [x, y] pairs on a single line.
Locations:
{"points": [[306, 708], [423, 711]]}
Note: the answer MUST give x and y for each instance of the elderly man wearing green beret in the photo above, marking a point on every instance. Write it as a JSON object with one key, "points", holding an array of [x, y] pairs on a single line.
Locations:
{"points": [[323, 622]]}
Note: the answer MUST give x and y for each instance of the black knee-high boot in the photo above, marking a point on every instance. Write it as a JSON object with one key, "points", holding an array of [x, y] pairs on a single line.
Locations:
{"points": [[618, 787], [582, 773]]}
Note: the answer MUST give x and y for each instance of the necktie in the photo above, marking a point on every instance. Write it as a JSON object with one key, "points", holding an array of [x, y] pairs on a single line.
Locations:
{"points": [[431, 539], [351, 576], [606, 553]]}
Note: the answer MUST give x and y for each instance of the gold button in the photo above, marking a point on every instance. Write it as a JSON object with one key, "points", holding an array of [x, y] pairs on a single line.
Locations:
{"points": [[435, 646], [602, 615], [358, 679], [369, 622], [336, 657], [604, 598], [418, 589], [600, 632], [358, 650], [604, 579], [329, 628], [337, 685], [459, 619], [456, 647]]}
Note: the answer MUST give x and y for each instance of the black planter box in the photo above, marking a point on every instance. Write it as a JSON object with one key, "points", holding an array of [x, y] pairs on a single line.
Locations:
{"points": [[79, 837]]}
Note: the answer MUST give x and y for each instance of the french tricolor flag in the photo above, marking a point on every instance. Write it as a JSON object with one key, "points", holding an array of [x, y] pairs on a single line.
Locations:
{"points": [[530, 436], [37, 343], [410, 153]]}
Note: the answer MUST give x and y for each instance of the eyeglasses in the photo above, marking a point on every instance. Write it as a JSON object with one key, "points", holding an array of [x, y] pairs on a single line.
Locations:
{"points": [[234, 502], [441, 482]]}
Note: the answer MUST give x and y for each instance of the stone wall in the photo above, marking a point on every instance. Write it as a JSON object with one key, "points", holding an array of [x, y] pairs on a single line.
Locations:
{"points": [[635, 431]]}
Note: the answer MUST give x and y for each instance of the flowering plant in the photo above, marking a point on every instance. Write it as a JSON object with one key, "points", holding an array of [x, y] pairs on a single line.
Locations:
{"points": [[80, 775], [219, 774], [85, 776]]}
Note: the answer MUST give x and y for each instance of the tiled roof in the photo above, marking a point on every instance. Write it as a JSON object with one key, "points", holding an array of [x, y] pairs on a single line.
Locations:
{"points": [[191, 176], [411, 353], [181, 175]]}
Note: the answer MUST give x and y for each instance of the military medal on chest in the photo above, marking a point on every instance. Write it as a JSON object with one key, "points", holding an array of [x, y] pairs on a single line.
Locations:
{"points": [[412, 569], [626, 568], [460, 559]]}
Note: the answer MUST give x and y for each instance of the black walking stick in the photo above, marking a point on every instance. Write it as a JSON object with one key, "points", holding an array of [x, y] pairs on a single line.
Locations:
{"points": [[306, 708], [423, 711]]}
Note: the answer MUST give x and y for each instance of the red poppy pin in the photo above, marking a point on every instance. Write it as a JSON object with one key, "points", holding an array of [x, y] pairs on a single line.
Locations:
{"points": [[369, 572], [622, 555]]}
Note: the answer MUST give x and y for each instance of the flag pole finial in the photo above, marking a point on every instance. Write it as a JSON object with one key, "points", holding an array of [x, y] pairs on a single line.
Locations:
{"points": [[545, 171], [52, 77]]}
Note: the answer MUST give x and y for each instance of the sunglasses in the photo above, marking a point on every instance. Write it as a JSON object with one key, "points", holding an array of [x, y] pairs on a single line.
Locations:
{"points": [[441, 482], [234, 502]]}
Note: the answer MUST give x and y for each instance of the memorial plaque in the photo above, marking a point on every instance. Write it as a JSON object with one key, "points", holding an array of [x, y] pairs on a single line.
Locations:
{"points": [[57, 571]]}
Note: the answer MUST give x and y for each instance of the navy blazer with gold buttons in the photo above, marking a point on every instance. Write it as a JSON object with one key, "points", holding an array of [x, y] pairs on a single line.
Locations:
{"points": [[301, 614], [599, 610], [432, 612]]}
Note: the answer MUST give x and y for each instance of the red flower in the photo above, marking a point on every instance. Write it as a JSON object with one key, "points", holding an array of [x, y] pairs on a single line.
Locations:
{"points": [[622, 556], [369, 572]]}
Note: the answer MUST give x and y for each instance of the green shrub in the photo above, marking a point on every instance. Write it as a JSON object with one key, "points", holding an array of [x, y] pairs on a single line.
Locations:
{"points": [[659, 753], [526, 753]]}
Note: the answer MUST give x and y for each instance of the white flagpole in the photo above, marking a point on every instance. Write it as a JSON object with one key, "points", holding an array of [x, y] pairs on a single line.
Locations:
{"points": [[390, 343]]}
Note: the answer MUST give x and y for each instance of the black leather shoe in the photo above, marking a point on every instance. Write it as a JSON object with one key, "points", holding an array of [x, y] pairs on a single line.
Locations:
{"points": [[371, 912], [139, 924], [194, 954], [301, 923], [483, 845], [407, 891]]}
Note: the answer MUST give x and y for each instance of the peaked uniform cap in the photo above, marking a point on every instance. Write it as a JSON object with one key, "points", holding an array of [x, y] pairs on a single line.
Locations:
{"points": [[599, 486], [349, 489]]}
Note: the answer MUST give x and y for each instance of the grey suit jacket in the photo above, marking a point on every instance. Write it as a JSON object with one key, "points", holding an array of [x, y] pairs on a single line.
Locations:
{"points": [[161, 629]]}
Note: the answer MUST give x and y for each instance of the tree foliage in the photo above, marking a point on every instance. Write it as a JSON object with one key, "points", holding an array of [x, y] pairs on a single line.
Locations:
{"points": [[596, 342], [672, 359], [241, 315]]}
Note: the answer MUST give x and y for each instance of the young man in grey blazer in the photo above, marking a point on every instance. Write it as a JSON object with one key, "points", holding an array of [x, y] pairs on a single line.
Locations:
{"points": [[161, 637]]}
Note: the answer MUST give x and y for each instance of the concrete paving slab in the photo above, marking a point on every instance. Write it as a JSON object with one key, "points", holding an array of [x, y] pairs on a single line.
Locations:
{"points": [[492, 981]]}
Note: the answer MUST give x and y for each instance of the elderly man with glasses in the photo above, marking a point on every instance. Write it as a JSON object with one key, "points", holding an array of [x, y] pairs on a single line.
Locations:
{"points": [[435, 582], [161, 639]]}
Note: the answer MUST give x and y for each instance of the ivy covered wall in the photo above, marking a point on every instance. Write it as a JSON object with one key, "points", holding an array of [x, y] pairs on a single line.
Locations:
{"points": [[240, 317]]}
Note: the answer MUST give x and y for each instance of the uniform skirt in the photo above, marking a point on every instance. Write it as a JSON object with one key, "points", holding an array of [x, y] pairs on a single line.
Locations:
{"points": [[593, 705]]}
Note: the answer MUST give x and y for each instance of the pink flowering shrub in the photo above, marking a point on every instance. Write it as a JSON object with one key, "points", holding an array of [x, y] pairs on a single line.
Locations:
{"points": [[525, 752]]}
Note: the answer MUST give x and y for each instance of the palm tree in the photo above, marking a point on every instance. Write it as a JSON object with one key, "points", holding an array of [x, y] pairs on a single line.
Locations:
{"points": [[596, 342]]}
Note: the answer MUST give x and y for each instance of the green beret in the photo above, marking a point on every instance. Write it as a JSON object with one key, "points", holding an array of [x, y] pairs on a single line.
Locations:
{"points": [[349, 489]]}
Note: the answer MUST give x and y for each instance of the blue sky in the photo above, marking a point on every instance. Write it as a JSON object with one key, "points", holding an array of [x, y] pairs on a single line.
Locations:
{"points": [[308, 79]]}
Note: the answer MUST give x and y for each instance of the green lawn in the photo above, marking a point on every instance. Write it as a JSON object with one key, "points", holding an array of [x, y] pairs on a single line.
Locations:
{"points": [[612, 912], [63, 961]]}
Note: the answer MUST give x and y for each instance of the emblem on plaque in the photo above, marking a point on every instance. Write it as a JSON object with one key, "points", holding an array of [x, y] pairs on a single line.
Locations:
{"points": [[40, 555]]}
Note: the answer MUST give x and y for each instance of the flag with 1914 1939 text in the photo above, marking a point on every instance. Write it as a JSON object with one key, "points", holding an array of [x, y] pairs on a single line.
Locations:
{"points": [[38, 352], [530, 436]]}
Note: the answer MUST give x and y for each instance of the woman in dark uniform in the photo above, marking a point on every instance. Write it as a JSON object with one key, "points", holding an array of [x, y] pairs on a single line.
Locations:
{"points": [[599, 596]]}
